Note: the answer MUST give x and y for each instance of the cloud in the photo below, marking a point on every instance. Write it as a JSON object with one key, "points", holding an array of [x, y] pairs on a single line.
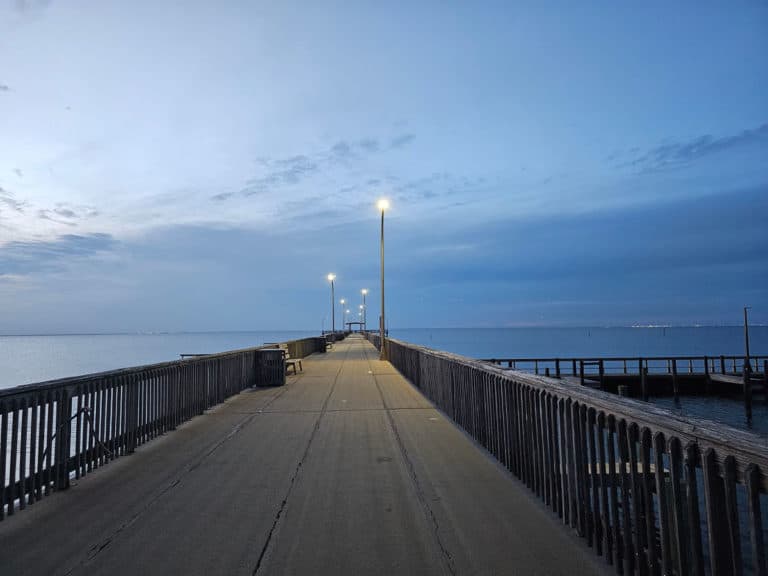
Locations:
{"points": [[36, 256], [402, 140], [31, 5], [18, 172], [8, 200], [284, 172], [67, 214], [369, 145], [682, 153], [4, 88], [290, 171]]}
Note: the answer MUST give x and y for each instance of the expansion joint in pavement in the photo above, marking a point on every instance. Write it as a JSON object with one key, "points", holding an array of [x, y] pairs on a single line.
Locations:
{"points": [[446, 554], [284, 503], [97, 548]]}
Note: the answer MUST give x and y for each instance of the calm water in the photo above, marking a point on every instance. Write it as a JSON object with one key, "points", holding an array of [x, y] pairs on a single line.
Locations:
{"points": [[27, 359], [563, 342]]}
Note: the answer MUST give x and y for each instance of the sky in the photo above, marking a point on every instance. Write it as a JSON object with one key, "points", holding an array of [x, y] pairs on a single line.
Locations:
{"points": [[194, 166]]}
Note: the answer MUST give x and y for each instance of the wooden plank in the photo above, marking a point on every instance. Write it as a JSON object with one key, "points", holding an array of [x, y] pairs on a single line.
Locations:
{"points": [[679, 537], [732, 516], [617, 537], [759, 562], [626, 525], [691, 461], [648, 509], [659, 445], [605, 518]]}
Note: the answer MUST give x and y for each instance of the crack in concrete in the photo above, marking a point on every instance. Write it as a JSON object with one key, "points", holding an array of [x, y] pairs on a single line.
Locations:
{"points": [[96, 549], [275, 524], [420, 495]]}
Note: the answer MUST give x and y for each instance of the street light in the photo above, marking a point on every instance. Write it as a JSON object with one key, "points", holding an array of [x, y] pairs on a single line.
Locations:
{"points": [[343, 318], [331, 278], [364, 291], [383, 206]]}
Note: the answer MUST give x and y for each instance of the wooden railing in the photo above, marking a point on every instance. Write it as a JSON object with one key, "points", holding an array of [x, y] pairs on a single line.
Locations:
{"points": [[652, 492], [634, 364], [65, 428]]}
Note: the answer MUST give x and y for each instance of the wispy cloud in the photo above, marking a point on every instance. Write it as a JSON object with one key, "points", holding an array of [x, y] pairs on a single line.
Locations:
{"points": [[67, 214], [29, 257], [4, 88], [402, 140], [31, 5], [8, 200], [279, 173], [677, 154]]}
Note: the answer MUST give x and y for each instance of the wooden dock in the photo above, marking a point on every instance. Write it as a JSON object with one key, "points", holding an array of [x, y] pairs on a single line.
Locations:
{"points": [[347, 469]]}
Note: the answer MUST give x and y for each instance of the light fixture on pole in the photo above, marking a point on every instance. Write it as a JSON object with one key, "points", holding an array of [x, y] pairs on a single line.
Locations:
{"points": [[331, 278], [383, 206], [343, 317], [364, 291]]}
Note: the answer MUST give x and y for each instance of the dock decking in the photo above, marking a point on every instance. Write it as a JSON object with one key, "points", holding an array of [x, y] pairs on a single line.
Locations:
{"points": [[347, 469]]}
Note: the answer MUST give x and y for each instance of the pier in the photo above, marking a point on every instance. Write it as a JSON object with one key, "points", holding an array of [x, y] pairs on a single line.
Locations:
{"points": [[429, 463], [347, 468], [642, 377]]}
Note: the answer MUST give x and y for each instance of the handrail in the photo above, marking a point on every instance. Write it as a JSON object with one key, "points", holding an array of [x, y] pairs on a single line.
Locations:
{"points": [[53, 430], [625, 475]]}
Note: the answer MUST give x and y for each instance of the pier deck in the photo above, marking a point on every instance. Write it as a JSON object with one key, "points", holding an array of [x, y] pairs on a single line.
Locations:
{"points": [[347, 469]]}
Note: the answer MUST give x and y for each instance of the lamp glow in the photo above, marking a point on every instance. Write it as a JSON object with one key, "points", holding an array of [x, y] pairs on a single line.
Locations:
{"points": [[331, 277], [383, 204]]}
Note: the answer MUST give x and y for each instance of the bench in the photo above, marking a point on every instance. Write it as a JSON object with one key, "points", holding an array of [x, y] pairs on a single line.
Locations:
{"points": [[290, 361]]}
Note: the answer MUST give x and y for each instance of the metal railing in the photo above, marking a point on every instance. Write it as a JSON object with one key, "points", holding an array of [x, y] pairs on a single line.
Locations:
{"points": [[652, 492], [52, 431]]}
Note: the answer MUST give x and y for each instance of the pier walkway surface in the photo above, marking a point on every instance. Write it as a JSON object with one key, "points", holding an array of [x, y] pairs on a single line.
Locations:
{"points": [[347, 469]]}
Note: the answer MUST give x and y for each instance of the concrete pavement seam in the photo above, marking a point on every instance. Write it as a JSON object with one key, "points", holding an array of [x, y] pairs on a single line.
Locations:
{"points": [[447, 557], [295, 475], [97, 548]]}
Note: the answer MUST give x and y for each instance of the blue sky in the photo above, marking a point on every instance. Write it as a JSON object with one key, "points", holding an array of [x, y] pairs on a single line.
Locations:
{"points": [[203, 166]]}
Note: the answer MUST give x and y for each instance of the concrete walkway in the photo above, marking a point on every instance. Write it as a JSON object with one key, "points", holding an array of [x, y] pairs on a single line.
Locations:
{"points": [[345, 470]]}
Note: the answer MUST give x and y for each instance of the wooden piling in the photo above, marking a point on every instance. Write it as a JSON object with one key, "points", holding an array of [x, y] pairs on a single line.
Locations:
{"points": [[675, 389], [644, 383]]}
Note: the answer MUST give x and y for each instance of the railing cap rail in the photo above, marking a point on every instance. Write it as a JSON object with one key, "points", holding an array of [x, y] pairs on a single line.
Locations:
{"points": [[746, 447]]}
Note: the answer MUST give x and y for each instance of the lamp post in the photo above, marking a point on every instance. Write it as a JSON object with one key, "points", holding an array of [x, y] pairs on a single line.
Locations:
{"points": [[364, 291], [343, 316], [383, 205], [331, 278], [347, 316]]}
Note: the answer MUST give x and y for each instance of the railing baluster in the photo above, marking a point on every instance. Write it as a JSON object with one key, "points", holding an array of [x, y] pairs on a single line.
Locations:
{"points": [[691, 461]]}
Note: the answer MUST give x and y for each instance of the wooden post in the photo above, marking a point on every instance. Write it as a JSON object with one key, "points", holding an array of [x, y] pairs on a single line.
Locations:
{"points": [[557, 367], [747, 393], [602, 373], [707, 377], [546, 371], [675, 390], [63, 434], [644, 384], [581, 371], [765, 381], [574, 366], [722, 364]]}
